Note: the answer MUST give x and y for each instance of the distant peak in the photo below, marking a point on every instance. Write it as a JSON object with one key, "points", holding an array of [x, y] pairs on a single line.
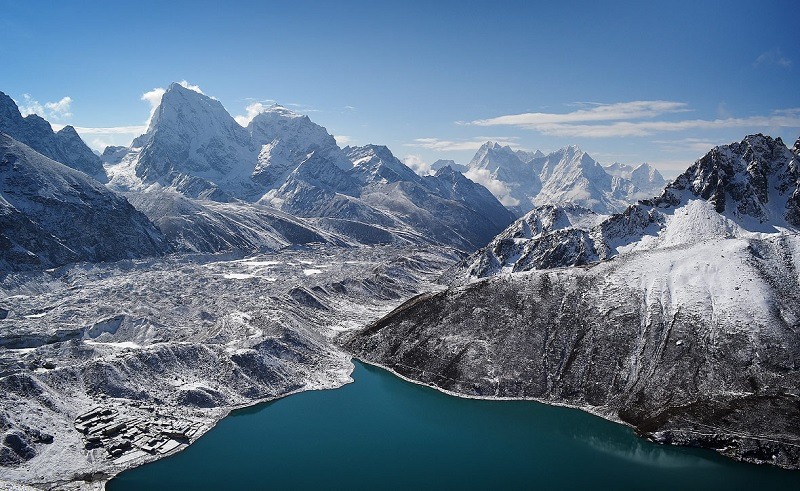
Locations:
{"points": [[68, 130]]}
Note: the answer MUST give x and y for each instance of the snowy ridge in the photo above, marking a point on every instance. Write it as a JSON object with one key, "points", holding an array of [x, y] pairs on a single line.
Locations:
{"points": [[285, 161], [745, 189]]}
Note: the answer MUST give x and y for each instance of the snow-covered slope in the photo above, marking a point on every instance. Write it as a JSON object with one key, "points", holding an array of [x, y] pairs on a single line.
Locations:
{"points": [[525, 180], [745, 189], [547, 235], [518, 184], [449, 163], [64, 146], [208, 226], [287, 139], [445, 208], [53, 215], [285, 161], [694, 344], [570, 175]]}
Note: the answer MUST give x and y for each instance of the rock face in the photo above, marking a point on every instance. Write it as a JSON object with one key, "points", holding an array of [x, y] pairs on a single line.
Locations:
{"points": [[64, 146], [195, 146], [737, 190], [53, 215], [755, 182], [693, 345], [525, 180]]}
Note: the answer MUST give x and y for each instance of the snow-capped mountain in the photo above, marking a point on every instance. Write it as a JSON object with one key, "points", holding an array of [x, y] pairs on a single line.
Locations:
{"points": [[286, 161], [53, 215], [526, 156], [446, 207], [744, 189], [375, 164], [518, 183], [646, 178], [525, 180], [570, 175], [64, 146], [195, 146], [287, 139]]}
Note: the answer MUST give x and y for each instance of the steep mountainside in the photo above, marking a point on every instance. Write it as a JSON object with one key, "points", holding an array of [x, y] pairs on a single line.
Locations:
{"points": [[645, 177], [195, 146], [287, 139], [691, 334], [64, 146], [53, 215], [737, 190], [207, 226], [446, 207], [695, 344]]}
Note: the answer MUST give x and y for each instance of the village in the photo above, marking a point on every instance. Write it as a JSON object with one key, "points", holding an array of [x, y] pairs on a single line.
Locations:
{"points": [[129, 438]]}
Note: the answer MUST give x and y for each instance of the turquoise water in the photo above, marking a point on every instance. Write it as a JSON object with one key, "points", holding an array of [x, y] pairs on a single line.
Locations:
{"points": [[384, 433]]}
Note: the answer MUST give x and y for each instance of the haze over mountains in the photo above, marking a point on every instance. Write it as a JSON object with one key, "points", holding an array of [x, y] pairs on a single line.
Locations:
{"points": [[524, 180]]}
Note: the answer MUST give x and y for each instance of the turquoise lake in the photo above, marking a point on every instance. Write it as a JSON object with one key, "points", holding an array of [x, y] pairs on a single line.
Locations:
{"points": [[381, 432]]}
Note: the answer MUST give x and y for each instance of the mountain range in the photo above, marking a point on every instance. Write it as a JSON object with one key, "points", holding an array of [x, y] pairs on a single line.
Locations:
{"points": [[670, 307], [524, 180]]}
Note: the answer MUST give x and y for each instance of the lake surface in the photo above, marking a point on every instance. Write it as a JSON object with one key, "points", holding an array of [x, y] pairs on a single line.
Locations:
{"points": [[381, 432]]}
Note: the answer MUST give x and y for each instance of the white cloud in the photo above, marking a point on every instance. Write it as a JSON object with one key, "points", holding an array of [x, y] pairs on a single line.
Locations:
{"points": [[418, 165], [190, 86], [344, 140], [57, 111], [598, 112], [773, 57], [567, 125], [440, 145], [153, 98], [252, 110], [497, 188]]}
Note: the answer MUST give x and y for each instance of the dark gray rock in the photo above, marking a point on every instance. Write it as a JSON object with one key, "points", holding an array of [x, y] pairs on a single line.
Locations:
{"points": [[52, 215], [622, 340], [64, 146]]}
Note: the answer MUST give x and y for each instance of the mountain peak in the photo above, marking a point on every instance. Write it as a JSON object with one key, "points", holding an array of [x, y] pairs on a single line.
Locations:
{"points": [[752, 182]]}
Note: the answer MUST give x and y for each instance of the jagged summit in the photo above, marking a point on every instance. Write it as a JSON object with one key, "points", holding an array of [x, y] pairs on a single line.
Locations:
{"points": [[439, 164], [752, 182], [64, 146]]}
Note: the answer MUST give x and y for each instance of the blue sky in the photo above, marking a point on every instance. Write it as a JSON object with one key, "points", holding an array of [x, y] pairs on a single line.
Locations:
{"points": [[626, 81]]}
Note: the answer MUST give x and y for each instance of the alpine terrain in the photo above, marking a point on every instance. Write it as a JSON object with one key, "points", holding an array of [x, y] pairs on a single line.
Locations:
{"points": [[679, 316]]}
